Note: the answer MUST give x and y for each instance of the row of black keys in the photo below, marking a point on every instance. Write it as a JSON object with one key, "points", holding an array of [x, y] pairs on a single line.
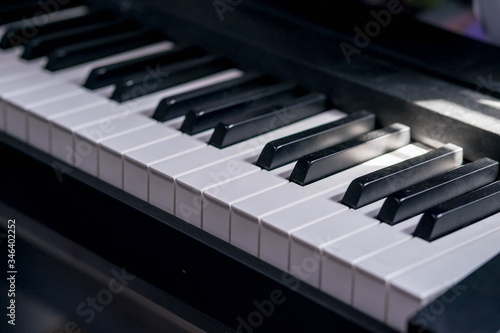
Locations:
{"points": [[241, 108]]}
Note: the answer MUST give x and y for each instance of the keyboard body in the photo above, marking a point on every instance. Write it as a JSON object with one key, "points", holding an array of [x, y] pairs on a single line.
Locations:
{"points": [[223, 282]]}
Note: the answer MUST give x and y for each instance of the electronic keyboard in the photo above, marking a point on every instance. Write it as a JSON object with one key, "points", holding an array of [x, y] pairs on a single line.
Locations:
{"points": [[265, 163]]}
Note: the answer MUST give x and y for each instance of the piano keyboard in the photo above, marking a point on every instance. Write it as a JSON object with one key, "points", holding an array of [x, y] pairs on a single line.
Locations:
{"points": [[261, 163]]}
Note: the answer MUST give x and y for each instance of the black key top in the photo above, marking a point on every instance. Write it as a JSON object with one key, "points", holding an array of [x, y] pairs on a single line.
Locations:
{"points": [[238, 129], [379, 184], [43, 45], [459, 212], [76, 54], [22, 32], [208, 116], [328, 161], [165, 77], [113, 73], [285, 150], [179, 105], [18, 10], [417, 198], [470, 305]]}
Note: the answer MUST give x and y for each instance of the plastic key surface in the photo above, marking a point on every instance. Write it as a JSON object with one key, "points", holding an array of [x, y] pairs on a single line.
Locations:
{"points": [[285, 150], [328, 161], [417, 198], [377, 185], [459, 212], [208, 116], [242, 128]]}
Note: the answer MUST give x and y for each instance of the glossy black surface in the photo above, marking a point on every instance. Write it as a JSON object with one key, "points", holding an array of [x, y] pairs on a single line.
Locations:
{"points": [[379, 184], [326, 162], [179, 105], [290, 148], [240, 128], [76, 54], [113, 73], [417, 198], [459, 212], [16, 35], [163, 77], [44, 44], [208, 116]]}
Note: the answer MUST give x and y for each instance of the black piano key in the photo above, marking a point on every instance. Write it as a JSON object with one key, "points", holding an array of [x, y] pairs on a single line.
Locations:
{"points": [[326, 162], [113, 73], [76, 54], [379, 184], [417, 198], [43, 45], [459, 212], [208, 116], [179, 105], [24, 31], [19, 10], [160, 78], [285, 150], [231, 131]]}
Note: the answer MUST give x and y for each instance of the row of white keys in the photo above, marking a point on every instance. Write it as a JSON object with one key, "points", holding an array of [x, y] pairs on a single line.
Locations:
{"points": [[339, 257], [247, 215], [190, 188], [17, 88], [415, 288], [82, 132], [188, 176], [17, 107], [64, 127], [373, 275], [22, 85], [305, 220], [112, 150], [13, 67]]}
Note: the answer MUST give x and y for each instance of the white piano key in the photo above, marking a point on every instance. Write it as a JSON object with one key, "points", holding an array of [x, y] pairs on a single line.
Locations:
{"points": [[339, 258], [12, 53], [39, 117], [136, 163], [16, 107], [274, 246], [372, 276], [87, 139], [217, 204], [26, 84], [190, 188], [78, 74], [166, 173], [36, 65], [63, 127], [111, 150], [18, 71], [247, 214], [20, 86], [307, 244], [415, 288]]}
